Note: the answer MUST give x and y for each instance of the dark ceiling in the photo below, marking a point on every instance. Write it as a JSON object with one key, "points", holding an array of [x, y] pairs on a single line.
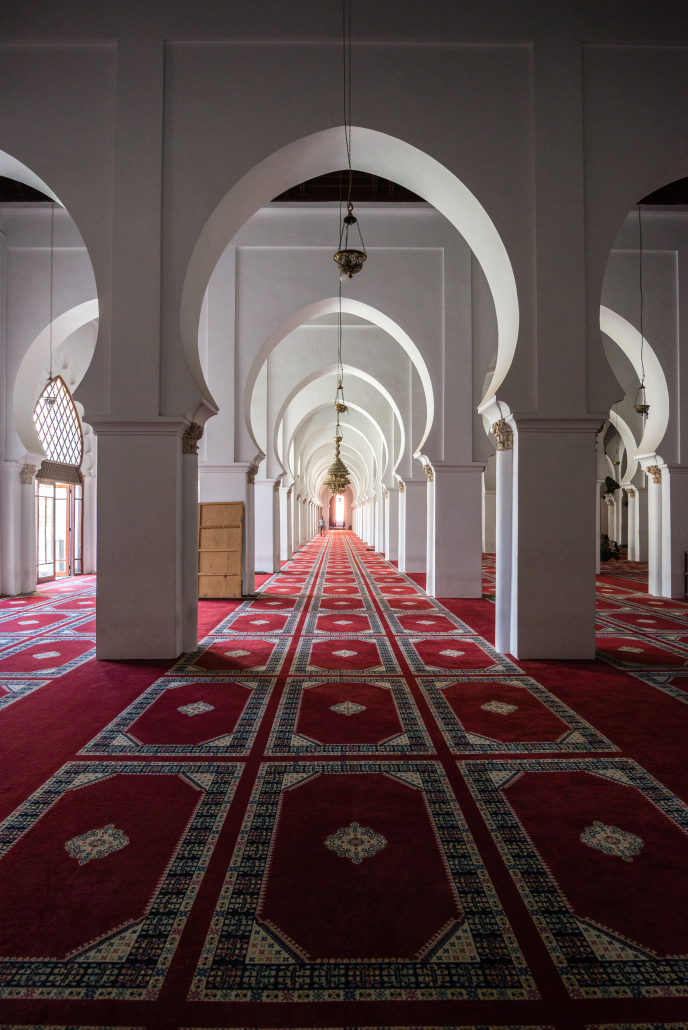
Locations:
{"points": [[364, 187], [334, 186], [13, 191], [674, 193]]}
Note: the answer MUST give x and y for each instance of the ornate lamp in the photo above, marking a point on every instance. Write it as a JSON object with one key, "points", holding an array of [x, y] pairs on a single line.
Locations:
{"points": [[349, 261], [337, 478]]}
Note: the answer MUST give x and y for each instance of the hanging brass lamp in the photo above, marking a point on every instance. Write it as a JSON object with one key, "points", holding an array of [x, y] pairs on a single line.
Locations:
{"points": [[349, 260], [337, 478], [641, 405]]}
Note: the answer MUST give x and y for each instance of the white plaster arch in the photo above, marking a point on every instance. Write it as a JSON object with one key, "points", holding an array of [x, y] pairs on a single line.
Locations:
{"points": [[346, 426], [346, 447], [327, 307], [348, 370], [627, 337], [629, 443], [30, 379], [377, 153]]}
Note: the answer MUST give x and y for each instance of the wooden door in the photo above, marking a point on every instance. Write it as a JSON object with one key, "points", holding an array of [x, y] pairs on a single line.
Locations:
{"points": [[220, 528]]}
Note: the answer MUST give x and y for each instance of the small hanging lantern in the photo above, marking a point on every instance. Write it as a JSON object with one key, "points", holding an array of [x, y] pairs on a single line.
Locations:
{"points": [[641, 405], [349, 261]]}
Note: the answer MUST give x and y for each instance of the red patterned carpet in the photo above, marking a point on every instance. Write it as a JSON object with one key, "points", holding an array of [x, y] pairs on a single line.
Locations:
{"points": [[345, 809]]}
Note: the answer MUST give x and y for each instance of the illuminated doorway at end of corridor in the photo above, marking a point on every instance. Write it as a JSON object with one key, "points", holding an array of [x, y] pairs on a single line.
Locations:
{"points": [[59, 530]]}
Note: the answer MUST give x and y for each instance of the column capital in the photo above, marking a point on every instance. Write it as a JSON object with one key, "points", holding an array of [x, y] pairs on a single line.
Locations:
{"points": [[190, 437], [27, 473], [504, 435], [656, 473]]}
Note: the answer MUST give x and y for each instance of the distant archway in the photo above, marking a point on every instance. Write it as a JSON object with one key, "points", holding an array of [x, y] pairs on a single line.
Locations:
{"points": [[379, 154]]}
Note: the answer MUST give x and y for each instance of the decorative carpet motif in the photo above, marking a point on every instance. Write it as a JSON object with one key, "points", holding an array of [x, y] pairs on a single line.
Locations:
{"points": [[217, 717], [600, 863], [457, 945], [578, 894], [305, 723], [472, 714], [122, 948]]}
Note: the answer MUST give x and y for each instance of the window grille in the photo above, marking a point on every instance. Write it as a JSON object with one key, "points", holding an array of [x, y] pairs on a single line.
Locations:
{"points": [[57, 424]]}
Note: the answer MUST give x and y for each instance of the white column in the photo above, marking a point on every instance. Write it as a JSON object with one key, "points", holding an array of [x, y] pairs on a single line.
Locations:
{"points": [[416, 524], [140, 533], [454, 547], [504, 537], [264, 526], [554, 459], [386, 500], [489, 499], [277, 526], [290, 522], [28, 528], [674, 529], [430, 532], [654, 530], [90, 542], [401, 532], [633, 523], [10, 527], [190, 537]]}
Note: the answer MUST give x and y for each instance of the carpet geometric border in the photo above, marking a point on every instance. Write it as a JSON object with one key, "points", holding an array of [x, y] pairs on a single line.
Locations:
{"points": [[59, 670], [310, 629], [584, 975], [114, 740], [224, 628], [224, 975], [457, 625], [284, 741], [464, 743], [661, 681], [631, 665], [19, 688], [184, 666], [301, 667], [139, 975], [502, 665]]}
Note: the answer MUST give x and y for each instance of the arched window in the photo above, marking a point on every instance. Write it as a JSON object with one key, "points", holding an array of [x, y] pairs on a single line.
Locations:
{"points": [[57, 424]]}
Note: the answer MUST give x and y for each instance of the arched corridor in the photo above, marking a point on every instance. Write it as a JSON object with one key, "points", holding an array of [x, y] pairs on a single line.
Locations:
{"points": [[343, 547]]}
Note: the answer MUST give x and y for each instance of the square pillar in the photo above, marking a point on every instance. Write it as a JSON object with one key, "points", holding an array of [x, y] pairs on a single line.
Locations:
{"points": [[553, 584], [416, 524], [139, 539], [458, 530]]}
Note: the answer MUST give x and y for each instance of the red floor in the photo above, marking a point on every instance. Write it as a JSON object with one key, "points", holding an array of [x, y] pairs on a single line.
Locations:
{"points": [[344, 810]]}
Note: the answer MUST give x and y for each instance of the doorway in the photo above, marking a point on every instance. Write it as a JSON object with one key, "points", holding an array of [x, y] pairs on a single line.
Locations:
{"points": [[59, 530]]}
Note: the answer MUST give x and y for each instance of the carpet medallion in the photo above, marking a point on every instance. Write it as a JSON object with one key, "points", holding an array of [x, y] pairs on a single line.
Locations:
{"points": [[599, 852], [510, 714], [386, 721], [299, 919], [188, 717], [157, 826]]}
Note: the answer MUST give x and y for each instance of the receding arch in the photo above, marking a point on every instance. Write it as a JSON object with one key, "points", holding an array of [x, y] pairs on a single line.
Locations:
{"points": [[321, 373], [354, 307], [627, 337], [377, 153]]}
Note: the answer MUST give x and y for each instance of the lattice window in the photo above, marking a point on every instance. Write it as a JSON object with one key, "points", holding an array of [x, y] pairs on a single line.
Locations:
{"points": [[58, 425]]}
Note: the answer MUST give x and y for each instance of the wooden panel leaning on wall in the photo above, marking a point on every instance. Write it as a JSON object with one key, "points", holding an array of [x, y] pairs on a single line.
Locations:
{"points": [[220, 528]]}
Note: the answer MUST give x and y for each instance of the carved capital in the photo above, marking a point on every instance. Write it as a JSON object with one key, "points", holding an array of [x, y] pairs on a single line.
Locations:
{"points": [[290, 490], [385, 492], [610, 502], [630, 491], [278, 483], [26, 474], [655, 472], [429, 472], [402, 487], [191, 437], [504, 435], [251, 473]]}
